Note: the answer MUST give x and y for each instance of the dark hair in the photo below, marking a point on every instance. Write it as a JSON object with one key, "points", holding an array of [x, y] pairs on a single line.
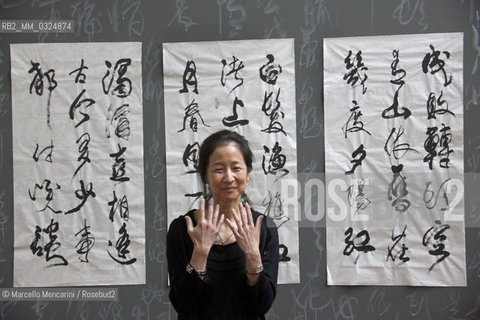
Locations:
{"points": [[221, 138]]}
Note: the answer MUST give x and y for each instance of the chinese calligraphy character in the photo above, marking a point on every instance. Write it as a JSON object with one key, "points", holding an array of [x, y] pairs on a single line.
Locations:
{"points": [[77, 103], [118, 119], [358, 243], [80, 77], [274, 208], [190, 156], [189, 77], [431, 143], [272, 110], [82, 194], [37, 81], [269, 72], [397, 190], [437, 233], [392, 111], [276, 162], [120, 206], [400, 253], [356, 196], [123, 86], [84, 156], [232, 121], [235, 67], [118, 168], [360, 151], [121, 245], [432, 104], [86, 243], [356, 70], [392, 145], [433, 62], [48, 190], [354, 124], [191, 112], [431, 199], [48, 150], [394, 107], [52, 245]]}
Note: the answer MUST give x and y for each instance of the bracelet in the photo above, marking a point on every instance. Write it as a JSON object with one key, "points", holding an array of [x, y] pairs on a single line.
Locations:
{"points": [[200, 274], [256, 270]]}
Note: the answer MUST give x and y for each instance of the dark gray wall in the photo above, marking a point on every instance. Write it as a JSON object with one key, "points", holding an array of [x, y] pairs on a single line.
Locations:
{"points": [[154, 22]]}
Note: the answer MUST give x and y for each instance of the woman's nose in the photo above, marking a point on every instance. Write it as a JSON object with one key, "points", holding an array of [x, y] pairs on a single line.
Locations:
{"points": [[228, 175]]}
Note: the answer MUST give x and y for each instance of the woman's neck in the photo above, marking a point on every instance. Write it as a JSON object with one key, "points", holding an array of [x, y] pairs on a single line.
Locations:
{"points": [[226, 209]]}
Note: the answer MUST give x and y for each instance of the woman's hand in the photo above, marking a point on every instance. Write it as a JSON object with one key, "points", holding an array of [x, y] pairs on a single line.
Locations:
{"points": [[247, 232], [203, 235], [247, 235]]}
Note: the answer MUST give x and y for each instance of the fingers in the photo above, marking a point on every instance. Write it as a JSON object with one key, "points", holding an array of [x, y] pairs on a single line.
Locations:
{"points": [[202, 210], [232, 227], [247, 235], [189, 224], [215, 214], [249, 214], [210, 211], [258, 226], [243, 214], [220, 222], [237, 219]]}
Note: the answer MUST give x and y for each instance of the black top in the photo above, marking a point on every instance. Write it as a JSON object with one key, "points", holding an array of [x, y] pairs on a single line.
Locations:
{"points": [[223, 293]]}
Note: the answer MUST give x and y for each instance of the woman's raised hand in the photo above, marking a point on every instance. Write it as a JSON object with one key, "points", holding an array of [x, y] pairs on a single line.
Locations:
{"points": [[247, 233], [203, 235]]}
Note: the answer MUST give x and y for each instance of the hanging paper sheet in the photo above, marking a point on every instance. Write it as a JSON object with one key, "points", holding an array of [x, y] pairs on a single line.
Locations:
{"points": [[246, 86], [394, 160], [78, 164]]}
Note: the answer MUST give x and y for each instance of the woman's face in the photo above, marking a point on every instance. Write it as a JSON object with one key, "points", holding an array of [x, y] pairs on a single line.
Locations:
{"points": [[227, 173]]}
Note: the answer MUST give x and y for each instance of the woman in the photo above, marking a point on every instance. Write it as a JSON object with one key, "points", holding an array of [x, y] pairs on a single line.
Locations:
{"points": [[223, 257]]}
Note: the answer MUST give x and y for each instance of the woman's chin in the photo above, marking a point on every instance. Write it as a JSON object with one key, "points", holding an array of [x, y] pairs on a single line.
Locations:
{"points": [[229, 197]]}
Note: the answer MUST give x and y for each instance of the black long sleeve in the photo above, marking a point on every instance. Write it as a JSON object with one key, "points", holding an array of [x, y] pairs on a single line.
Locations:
{"points": [[224, 293], [186, 289]]}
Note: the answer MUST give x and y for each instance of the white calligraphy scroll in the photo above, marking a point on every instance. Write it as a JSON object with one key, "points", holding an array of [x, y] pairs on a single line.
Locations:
{"points": [[394, 160], [78, 164], [246, 86]]}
